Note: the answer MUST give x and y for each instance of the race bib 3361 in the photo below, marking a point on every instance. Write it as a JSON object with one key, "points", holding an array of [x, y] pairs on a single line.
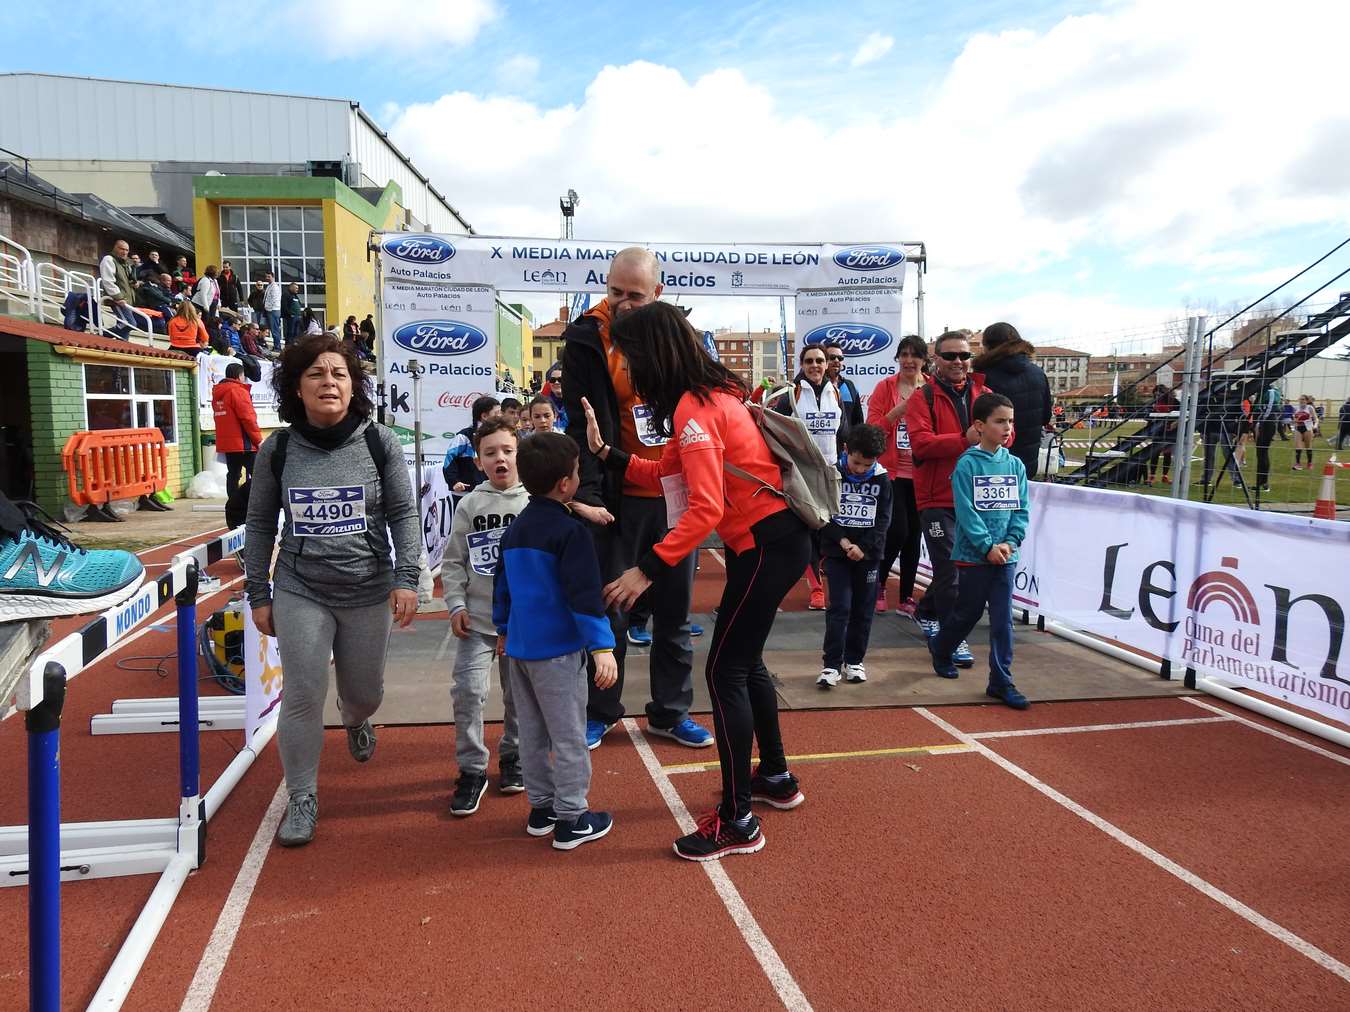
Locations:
{"points": [[996, 492]]}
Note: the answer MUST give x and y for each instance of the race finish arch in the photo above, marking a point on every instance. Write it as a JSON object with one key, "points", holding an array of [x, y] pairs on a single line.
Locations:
{"points": [[437, 296]]}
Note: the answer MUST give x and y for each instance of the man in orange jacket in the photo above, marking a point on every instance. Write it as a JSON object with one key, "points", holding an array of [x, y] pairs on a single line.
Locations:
{"points": [[237, 432]]}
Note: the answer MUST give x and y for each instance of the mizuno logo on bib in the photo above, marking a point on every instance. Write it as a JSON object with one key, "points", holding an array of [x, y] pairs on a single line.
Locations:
{"points": [[996, 492], [328, 512]]}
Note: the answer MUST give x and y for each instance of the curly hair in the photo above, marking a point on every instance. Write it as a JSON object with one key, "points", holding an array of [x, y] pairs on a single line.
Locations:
{"points": [[299, 356]]}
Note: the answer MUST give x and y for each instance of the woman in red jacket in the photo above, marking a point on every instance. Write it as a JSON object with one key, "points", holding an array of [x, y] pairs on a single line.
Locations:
{"points": [[698, 404]]}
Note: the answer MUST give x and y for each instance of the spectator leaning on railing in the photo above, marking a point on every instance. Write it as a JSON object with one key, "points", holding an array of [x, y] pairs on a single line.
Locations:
{"points": [[154, 294], [114, 271]]}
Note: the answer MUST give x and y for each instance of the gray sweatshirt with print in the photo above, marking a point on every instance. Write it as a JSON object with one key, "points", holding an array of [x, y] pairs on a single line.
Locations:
{"points": [[470, 560], [338, 520]]}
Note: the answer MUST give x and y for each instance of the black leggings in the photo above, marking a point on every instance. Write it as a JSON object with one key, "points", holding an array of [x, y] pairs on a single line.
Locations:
{"points": [[744, 702], [902, 538]]}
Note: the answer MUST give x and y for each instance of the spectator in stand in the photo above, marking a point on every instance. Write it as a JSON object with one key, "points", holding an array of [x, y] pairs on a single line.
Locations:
{"points": [[155, 294], [1008, 370], [183, 279], [351, 331], [237, 432], [134, 269], [292, 310], [248, 338], [152, 268], [272, 310], [849, 398], [207, 293], [255, 303], [309, 324], [231, 290], [114, 271], [368, 332], [941, 428], [187, 333]]}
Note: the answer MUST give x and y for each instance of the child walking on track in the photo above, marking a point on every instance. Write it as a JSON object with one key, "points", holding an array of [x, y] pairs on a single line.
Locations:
{"points": [[548, 612], [989, 486], [852, 544], [469, 564]]}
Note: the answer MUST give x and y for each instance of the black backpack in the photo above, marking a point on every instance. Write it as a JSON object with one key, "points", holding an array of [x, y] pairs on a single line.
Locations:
{"points": [[373, 444]]}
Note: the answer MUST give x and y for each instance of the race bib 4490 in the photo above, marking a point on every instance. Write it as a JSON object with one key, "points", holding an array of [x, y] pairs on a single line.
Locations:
{"points": [[328, 512], [996, 492]]}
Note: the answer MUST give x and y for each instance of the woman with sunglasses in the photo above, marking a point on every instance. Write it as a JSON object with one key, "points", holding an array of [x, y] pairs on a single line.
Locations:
{"points": [[886, 409], [697, 404]]}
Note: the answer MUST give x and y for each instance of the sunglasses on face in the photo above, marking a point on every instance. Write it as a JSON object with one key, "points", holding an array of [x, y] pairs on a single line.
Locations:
{"points": [[955, 356], [836, 358], [555, 379]]}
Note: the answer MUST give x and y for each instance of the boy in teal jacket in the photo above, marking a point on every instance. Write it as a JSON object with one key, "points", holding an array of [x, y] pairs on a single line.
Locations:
{"points": [[989, 487]]}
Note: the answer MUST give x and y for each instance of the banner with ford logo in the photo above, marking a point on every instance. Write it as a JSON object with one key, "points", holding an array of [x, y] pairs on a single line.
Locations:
{"points": [[864, 324], [557, 265], [451, 330]]}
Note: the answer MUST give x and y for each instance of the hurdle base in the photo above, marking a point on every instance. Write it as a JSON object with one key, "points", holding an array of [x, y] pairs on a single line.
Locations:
{"points": [[95, 862], [160, 723]]}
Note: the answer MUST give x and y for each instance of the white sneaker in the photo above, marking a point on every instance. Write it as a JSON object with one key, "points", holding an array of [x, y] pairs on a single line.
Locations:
{"points": [[829, 678], [855, 673]]}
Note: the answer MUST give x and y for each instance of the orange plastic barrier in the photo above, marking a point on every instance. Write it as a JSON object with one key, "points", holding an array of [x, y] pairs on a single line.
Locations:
{"points": [[113, 464]]}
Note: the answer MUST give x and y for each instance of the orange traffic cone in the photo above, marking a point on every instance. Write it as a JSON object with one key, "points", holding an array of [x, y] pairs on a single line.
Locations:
{"points": [[1325, 507]]}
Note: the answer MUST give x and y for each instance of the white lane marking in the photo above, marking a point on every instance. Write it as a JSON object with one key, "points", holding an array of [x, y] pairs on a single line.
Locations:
{"points": [[202, 991], [444, 648], [1230, 903], [1269, 730], [1029, 732], [718, 556], [770, 962], [193, 539]]}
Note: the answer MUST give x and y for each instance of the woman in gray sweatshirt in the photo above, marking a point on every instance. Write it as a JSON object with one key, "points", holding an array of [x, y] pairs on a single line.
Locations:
{"points": [[340, 482]]}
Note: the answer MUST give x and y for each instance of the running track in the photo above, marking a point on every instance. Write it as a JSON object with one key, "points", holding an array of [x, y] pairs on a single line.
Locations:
{"points": [[959, 857]]}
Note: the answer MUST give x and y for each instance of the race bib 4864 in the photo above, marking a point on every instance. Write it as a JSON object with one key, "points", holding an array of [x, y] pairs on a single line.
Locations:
{"points": [[996, 492], [329, 512]]}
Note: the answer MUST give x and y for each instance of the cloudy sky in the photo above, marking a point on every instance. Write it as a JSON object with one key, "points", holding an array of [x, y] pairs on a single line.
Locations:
{"points": [[1088, 171]]}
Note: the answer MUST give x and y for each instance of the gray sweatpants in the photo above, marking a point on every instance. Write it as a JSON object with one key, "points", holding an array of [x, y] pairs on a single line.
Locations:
{"points": [[469, 683], [308, 633], [550, 700]]}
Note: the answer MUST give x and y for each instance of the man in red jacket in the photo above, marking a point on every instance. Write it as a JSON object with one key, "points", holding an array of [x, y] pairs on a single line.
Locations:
{"points": [[237, 432], [940, 430]]}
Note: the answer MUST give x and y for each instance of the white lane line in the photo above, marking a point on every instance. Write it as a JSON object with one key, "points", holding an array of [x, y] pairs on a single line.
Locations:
{"points": [[202, 991], [718, 556], [1268, 730], [1231, 903], [193, 539], [770, 962], [1029, 732]]}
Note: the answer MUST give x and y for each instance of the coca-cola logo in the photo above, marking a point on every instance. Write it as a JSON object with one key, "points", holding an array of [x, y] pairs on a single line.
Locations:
{"points": [[449, 400]]}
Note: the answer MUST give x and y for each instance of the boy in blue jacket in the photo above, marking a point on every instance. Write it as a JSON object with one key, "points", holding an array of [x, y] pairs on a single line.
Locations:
{"points": [[548, 611], [989, 486]]}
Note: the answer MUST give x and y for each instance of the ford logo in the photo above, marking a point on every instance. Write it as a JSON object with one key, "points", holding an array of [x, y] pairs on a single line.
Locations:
{"points": [[326, 493], [869, 258], [440, 337], [419, 249], [854, 338]]}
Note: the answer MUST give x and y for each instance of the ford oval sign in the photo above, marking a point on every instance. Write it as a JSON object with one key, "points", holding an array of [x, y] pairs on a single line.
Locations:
{"points": [[439, 337], [869, 258], [854, 338], [419, 249]]}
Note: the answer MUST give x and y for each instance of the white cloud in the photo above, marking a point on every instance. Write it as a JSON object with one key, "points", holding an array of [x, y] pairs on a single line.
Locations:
{"points": [[1150, 134], [873, 48], [520, 70], [346, 28]]}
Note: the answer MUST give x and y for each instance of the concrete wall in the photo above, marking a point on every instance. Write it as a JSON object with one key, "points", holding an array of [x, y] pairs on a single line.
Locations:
{"points": [[52, 238]]}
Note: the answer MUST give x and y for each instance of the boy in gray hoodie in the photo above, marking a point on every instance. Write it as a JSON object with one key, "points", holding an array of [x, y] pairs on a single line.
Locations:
{"points": [[467, 571]]}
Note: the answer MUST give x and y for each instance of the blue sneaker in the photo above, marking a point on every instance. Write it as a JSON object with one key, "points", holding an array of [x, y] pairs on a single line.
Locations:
{"points": [[930, 626], [695, 629], [942, 666], [595, 730], [1008, 694], [588, 826], [962, 657], [686, 732], [639, 636], [43, 574]]}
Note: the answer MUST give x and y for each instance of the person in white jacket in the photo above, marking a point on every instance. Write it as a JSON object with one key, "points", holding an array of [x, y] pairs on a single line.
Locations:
{"points": [[272, 308], [207, 294]]}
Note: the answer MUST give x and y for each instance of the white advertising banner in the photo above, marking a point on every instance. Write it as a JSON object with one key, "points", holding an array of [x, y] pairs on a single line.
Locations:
{"points": [[1255, 600], [436, 508], [451, 330], [554, 265], [262, 677], [865, 323], [211, 370]]}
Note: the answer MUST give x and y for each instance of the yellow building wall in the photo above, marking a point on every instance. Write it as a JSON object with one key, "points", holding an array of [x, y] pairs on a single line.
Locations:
{"points": [[350, 276], [206, 231]]}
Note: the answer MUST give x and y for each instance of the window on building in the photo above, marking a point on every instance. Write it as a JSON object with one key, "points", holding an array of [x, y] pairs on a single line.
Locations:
{"points": [[285, 241], [123, 397]]}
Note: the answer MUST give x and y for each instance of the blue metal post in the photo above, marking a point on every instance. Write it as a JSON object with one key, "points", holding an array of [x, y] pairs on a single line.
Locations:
{"points": [[189, 758], [43, 723]]}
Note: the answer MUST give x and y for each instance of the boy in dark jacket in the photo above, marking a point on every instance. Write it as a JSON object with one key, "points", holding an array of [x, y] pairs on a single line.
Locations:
{"points": [[989, 487], [852, 544]]}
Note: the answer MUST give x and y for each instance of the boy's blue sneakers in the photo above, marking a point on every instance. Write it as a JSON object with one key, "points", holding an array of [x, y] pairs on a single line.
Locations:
{"points": [[1008, 694], [541, 821], [962, 657], [942, 666], [43, 574], [930, 626], [695, 630], [588, 826], [639, 636], [595, 730], [686, 732]]}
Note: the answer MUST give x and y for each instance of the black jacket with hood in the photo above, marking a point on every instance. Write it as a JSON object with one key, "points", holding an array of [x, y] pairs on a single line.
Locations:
{"points": [[585, 372], [1009, 370]]}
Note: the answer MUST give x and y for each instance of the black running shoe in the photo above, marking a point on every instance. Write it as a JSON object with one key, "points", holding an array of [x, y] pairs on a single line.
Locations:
{"points": [[715, 839], [469, 789], [541, 821], [512, 780], [782, 794]]}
